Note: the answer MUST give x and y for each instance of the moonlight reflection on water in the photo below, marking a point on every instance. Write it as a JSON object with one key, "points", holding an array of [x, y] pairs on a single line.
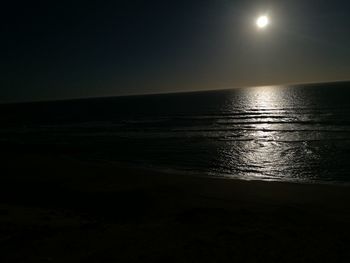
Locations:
{"points": [[269, 147]]}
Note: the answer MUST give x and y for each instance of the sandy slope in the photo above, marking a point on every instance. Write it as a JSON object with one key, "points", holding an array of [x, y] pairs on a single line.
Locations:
{"points": [[53, 209]]}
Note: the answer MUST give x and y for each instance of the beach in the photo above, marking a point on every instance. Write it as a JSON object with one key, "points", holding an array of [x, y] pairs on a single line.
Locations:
{"points": [[58, 209], [175, 131]]}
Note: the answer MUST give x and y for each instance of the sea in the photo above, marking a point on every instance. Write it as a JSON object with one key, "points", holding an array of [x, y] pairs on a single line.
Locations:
{"points": [[291, 133]]}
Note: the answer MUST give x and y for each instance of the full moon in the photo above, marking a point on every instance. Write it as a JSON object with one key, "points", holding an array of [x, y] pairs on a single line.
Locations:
{"points": [[262, 21]]}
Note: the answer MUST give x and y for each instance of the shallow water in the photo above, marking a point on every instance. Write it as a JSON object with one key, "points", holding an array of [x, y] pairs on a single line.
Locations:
{"points": [[286, 133]]}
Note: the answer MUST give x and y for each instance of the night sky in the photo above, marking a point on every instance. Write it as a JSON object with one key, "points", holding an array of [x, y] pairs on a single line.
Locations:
{"points": [[70, 49]]}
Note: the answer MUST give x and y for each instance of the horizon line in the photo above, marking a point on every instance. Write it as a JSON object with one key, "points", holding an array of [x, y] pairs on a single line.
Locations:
{"points": [[170, 92]]}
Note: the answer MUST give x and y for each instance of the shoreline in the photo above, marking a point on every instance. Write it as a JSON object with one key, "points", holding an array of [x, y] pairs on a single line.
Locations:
{"points": [[179, 172], [136, 174]]}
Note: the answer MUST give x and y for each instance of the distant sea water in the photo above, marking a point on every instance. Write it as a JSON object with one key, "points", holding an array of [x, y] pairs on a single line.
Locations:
{"points": [[282, 133]]}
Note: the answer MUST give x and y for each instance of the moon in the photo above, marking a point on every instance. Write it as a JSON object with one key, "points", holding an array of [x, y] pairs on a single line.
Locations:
{"points": [[262, 22]]}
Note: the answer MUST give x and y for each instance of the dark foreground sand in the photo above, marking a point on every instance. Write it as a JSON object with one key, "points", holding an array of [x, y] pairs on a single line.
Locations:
{"points": [[57, 210]]}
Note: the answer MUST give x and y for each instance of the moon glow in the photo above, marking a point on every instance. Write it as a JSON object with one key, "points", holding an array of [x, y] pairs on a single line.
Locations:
{"points": [[262, 22]]}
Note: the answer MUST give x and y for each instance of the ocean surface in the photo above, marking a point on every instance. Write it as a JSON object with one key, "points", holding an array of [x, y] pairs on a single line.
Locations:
{"points": [[281, 133]]}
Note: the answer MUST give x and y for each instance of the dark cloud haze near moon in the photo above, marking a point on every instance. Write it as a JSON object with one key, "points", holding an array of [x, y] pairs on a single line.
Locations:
{"points": [[61, 49]]}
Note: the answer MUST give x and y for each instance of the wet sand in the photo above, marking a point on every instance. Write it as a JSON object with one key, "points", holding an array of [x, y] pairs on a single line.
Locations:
{"points": [[54, 209]]}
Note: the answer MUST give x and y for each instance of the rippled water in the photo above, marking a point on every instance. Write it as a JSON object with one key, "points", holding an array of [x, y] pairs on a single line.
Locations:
{"points": [[287, 133]]}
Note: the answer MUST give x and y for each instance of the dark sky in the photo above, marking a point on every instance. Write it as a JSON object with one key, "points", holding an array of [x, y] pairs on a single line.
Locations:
{"points": [[64, 49]]}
